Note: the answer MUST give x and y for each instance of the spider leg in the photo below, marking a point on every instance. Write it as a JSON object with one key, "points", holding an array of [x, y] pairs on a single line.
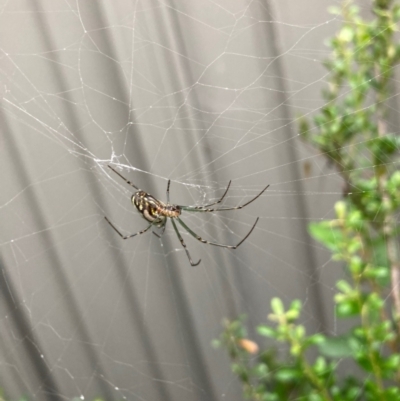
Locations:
{"points": [[169, 183], [218, 201], [127, 236], [211, 204], [221, 209], [192, 233], [183, 244], [127, 181], [163, 230]]}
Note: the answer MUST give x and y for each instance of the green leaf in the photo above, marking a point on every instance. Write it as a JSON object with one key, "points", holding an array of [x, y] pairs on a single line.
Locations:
{"points": [[364, 361], [356, 265], [348, 308], [346, 34], [374, 301], [336, 347], [395, 179], [341, 210], [323, 232], [383, 147], [356, 220], [292, 315], [296, 305], [379, 251], [277, 306], [267, 396], [266, 331], [320, 366], [392, 393], [377, 272], [316, 339], [345, 287], [315, 397], [261, 370], [392, 362], [300, 331], [288, 374]]}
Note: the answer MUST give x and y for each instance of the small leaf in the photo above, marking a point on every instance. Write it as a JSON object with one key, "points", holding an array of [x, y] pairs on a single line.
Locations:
{"points": [[335, 347], [346, 34], [315, 397], [379, 251], [326, 234], [392, 362], [374, 301], [261, 370], [277, 306], [288, 375], [300, 331], [356, 265], [296, 305], [266, 331], [320, 366], [376, 272], [316, 339], [292, 314], [296, 349], [392, 393], [348, 308], [364, 361], [340, 209], [344, 286]]}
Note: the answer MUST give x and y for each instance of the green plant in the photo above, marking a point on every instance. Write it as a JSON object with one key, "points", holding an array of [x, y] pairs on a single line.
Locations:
{"points": [[351, 130]]}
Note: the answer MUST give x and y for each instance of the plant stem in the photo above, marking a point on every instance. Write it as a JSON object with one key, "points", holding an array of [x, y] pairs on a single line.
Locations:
{"points": [[388, 225], [314, 379]]}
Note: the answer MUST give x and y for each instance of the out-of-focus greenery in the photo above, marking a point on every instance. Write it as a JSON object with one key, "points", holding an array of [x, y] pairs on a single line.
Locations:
{"points": [[352, 132]]}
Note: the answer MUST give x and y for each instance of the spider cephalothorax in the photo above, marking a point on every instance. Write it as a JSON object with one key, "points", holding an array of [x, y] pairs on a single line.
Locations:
{"points": [[157, 214]]}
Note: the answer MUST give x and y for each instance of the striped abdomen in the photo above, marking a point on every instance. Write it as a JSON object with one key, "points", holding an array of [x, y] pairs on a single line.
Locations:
{"points": [[152, 209]]}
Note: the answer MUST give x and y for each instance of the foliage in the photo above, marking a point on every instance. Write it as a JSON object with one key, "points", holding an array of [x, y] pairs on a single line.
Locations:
{"points": [[351, 131]]}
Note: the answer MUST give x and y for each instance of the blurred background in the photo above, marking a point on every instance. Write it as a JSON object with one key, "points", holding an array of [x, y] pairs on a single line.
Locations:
{"points": [[197, 92]]}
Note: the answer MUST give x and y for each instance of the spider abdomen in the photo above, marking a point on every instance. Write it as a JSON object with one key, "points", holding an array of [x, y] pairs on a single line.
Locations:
{"points": [[152, 209]]}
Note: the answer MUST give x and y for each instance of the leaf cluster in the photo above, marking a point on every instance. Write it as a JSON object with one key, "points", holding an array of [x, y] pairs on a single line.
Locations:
{"points": [[351, 131]]}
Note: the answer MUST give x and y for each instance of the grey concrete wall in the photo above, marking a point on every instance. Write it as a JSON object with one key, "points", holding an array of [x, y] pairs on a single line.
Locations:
{"points": [[192, 91]]}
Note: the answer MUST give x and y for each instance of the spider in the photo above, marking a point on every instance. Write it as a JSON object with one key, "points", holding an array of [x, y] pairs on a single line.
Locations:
{"points": [[157, 213]]}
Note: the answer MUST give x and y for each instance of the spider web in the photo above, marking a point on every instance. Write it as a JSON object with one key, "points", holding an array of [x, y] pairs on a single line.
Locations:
{"points": [[197, 92]]}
